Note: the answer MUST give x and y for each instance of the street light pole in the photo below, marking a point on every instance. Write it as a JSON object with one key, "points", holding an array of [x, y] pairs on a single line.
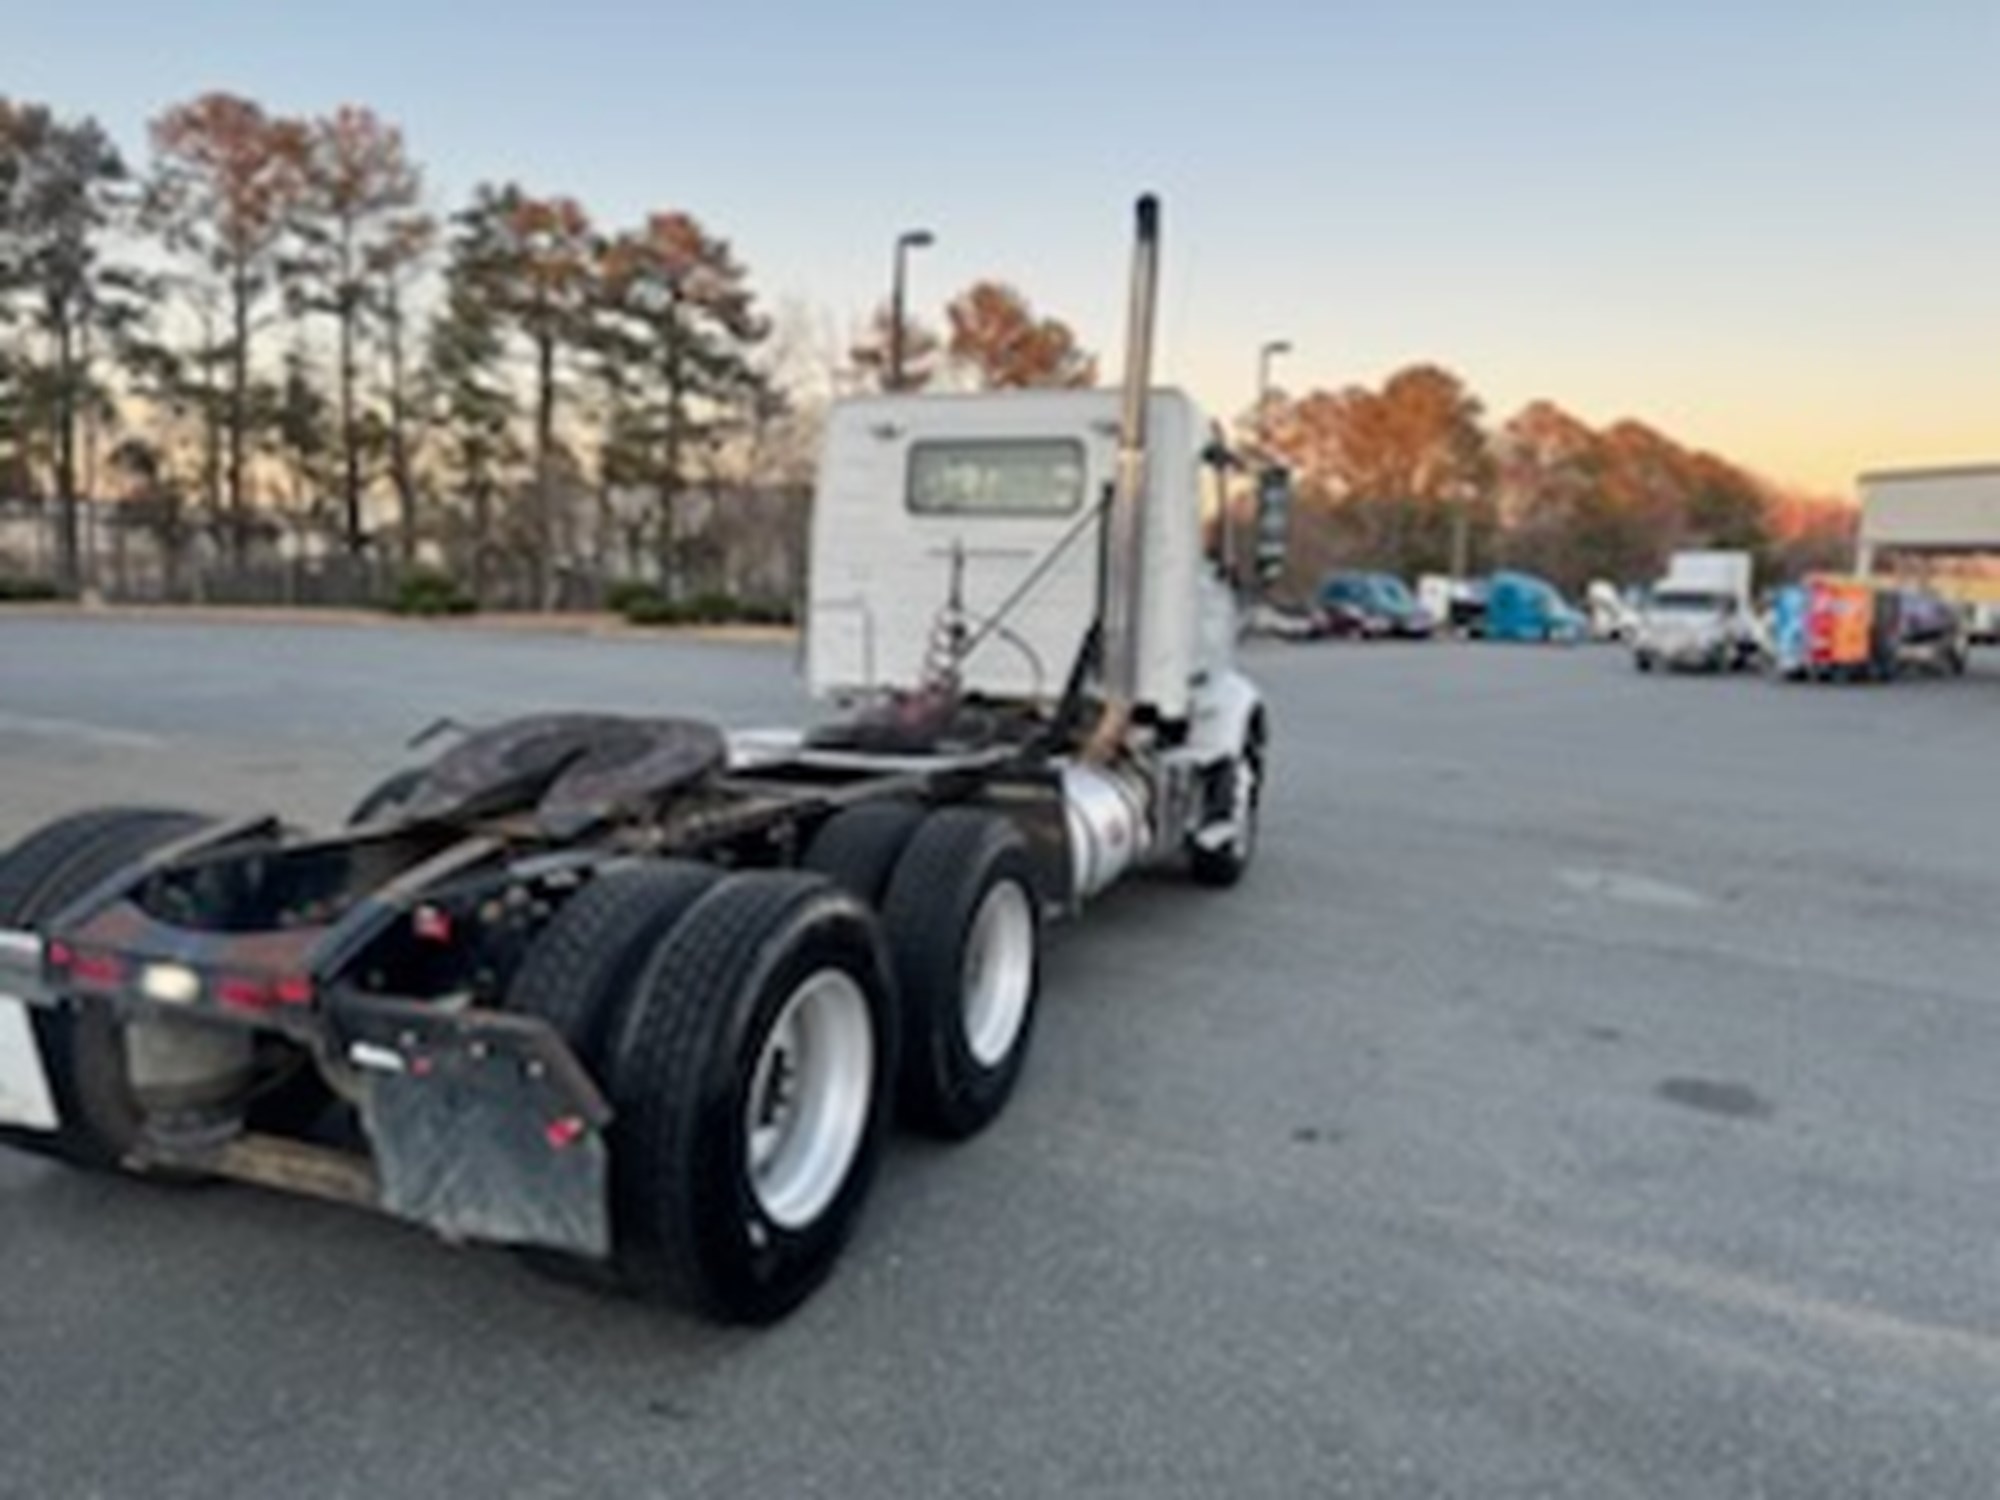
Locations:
{"points": [[1265, 355], [912, 239], [1268, 352]]}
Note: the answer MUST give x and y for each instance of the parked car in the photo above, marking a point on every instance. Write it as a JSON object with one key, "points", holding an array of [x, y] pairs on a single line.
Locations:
{"points": [[1522, 607], [1284, 622], [1376, 606], [1931, 633]]}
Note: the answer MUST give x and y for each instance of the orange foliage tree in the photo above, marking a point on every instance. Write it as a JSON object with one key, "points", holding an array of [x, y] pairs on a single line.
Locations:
{"points": [[999, 341], [1398, 478]]}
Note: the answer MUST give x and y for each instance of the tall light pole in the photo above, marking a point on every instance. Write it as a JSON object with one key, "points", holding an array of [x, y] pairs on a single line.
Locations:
{"points": [[1265, 355], [910, 239]]}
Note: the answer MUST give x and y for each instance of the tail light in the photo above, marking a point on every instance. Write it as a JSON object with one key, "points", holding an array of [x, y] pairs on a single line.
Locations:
{"points": [[254, 993], [87, 968]]}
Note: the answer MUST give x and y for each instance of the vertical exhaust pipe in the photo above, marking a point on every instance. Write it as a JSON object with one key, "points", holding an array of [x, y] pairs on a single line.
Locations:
{"points": [[1124, 571]]}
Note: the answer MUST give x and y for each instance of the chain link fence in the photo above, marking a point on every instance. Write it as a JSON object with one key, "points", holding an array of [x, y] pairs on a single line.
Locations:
{"points": [[746, 548]]}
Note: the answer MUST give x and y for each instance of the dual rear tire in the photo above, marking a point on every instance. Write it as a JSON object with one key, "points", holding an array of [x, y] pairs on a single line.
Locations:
{"points": [[757, 1032]]}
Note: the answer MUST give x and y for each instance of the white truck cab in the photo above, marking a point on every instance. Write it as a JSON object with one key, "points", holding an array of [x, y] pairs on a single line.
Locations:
{"points": [[963, 547], [1700, 615], [935, 511]]}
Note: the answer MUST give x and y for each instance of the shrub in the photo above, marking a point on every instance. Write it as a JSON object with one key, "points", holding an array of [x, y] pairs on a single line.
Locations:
{"points": [[712, 608], [628, 594], [766, 612], [428, 593], [28, 591], [642, 604], [654, 609]]}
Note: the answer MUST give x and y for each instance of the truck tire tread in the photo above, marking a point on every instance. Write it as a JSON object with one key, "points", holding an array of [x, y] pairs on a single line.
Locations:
{"points": [[858, 847], [686, 1222], [955, 858], [44, 873]]}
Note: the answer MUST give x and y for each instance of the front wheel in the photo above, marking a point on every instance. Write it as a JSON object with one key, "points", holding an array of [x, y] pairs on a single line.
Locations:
{"points": [[1224, 863]]}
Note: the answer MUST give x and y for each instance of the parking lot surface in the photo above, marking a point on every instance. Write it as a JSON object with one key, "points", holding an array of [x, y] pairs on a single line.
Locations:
{"points": [[1590, 1093]]}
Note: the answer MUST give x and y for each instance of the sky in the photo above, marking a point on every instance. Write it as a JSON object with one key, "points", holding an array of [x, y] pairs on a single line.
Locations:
{"points": [[1769, 227]]}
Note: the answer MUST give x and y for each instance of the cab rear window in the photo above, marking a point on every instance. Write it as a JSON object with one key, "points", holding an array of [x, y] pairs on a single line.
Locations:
{"points": [[996, 477]]}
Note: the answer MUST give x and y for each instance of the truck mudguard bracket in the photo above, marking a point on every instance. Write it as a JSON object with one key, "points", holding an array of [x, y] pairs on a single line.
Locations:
{"points": [[484, 1126]]}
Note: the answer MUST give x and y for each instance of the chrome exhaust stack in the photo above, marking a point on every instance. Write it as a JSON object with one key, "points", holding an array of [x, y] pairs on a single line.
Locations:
{"points": [[1124, 562]]}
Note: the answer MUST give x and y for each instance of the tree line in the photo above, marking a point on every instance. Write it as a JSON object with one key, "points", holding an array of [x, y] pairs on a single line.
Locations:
{"points": [[269, 322], [1411, 477]]}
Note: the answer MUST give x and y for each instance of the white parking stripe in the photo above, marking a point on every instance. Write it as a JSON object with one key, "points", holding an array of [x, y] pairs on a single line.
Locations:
{"points": [[74, 729]]}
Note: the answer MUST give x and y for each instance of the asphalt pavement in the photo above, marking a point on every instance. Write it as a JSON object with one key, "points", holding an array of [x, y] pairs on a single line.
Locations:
{"points": [[1590, 1093]]}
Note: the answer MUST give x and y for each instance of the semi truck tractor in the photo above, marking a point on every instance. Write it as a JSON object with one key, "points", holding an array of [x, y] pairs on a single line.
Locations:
{"points": [[639, 998]]}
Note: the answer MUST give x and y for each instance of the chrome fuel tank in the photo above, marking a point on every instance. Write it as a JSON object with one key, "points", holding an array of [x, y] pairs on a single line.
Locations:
{"points": [[1107, 812]]}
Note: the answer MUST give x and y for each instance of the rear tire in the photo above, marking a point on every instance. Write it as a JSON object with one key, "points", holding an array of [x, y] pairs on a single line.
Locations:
{"points": [[858, 848], [82, 1044], [580, 975], [582, 968], [750, 1079], [963, 916]]}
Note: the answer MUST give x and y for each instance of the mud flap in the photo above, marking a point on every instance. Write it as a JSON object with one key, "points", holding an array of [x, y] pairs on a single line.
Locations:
{"points": [[484, 1126]]}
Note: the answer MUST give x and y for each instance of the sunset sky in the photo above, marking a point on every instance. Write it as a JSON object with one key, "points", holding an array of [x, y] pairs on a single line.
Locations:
{"points": [[1771, 227]]}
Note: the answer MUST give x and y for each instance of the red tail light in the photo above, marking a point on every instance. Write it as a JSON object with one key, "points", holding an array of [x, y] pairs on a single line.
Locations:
{"points": [[97, 971], [237, 993], [241, 992]]}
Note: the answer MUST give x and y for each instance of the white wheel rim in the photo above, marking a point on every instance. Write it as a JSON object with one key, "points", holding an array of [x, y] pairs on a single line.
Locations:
{"points": [[808, 1105], [999, 975]]}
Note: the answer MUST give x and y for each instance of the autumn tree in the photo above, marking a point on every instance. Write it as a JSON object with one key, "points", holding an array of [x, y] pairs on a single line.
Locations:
{"points": [[1582, 503], [1398, 478], [870, 357], [999, 341], [676, 314], [62, 190], [1563, 519], [226, 180], [357, 196], [1810, 534]]}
